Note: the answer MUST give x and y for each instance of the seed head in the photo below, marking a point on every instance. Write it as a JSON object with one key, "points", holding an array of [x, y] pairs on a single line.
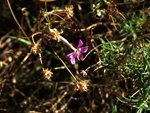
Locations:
{"points": [[56, 34], [36, 49], [69, 11], [82, 86], [47, 73]]}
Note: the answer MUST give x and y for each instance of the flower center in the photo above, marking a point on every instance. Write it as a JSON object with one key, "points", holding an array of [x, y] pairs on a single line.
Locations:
{"points": [[77, 51]]}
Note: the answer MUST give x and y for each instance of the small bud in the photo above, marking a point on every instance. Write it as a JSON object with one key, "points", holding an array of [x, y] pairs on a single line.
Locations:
{"points": [[9, 59], [83, 73], [1, 64]]}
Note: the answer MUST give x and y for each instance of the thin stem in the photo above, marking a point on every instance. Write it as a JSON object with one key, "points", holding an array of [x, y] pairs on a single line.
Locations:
{"points": [[56, 34], [63, 63], [34, 35], [66, 42], [90, 52], [41, 59], [18, 22]]}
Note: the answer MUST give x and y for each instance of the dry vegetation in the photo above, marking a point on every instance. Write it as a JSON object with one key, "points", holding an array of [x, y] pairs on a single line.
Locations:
{"points": [[38, 76]]}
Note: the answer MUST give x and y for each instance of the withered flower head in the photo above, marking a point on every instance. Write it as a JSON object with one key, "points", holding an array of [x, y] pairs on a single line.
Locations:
{"points": [[69, 11], [36, 49], [82, 86], [55, 33], [47, 73]]}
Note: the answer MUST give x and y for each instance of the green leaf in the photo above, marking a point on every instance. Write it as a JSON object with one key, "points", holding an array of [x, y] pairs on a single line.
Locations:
{"points": [[102, 41], [46, 51], [38, 68], [20, 39], [122, 101], [30, 15], [140, 110]]}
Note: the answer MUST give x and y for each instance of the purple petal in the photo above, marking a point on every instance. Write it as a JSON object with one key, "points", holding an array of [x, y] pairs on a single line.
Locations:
{"points": [[72, 60], [84, 49], [79, 56], [71, 55], [80, 43]]}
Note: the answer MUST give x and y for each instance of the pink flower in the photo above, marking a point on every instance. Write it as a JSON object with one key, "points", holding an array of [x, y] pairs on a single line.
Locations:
{"points": [[78, 52]]}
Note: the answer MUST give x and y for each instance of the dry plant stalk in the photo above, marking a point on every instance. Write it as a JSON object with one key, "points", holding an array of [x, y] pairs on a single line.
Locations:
{"points": [[55, 35], [18, 22], [111, 10]]}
